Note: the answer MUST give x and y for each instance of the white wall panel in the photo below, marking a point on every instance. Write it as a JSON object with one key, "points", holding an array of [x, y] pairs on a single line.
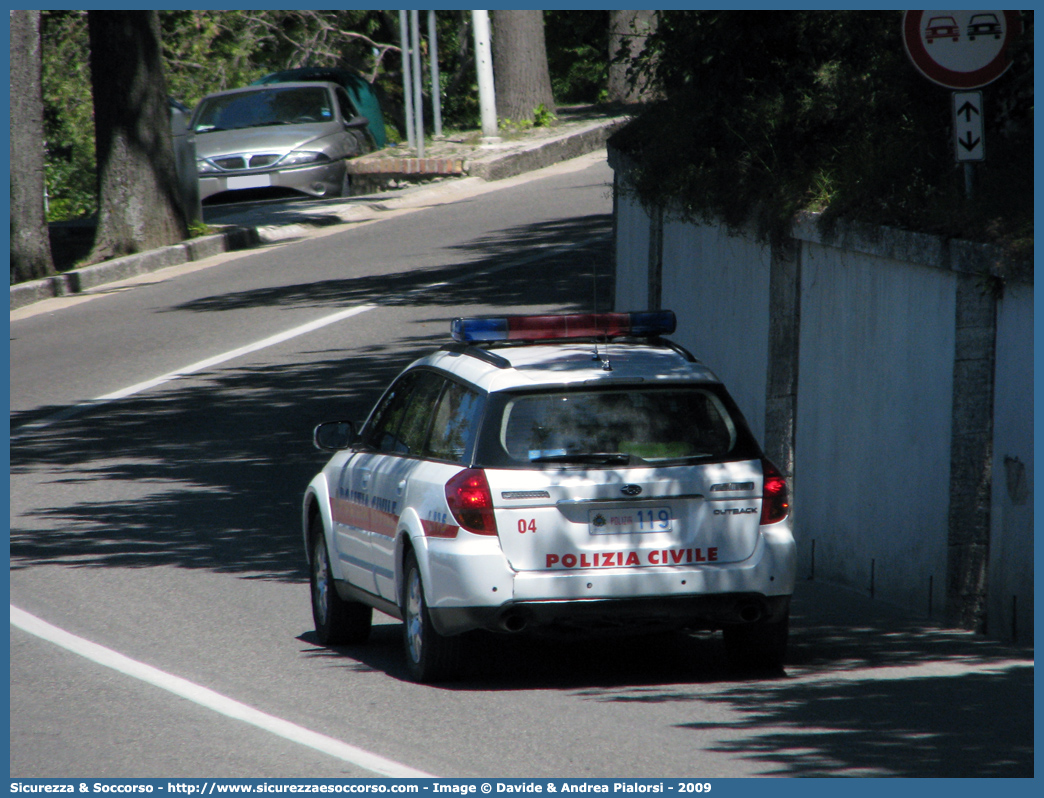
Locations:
{"points": [[632, 255], [874, 423], [718, 286], [1011, 517]]}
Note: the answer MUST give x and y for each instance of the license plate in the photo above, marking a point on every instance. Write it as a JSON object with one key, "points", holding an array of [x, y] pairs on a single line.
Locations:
{"points": [[250, 181], [629, 522]]}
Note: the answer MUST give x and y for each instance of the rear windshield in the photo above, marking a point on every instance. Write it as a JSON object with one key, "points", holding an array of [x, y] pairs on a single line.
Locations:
{"points": [[596, 428]]}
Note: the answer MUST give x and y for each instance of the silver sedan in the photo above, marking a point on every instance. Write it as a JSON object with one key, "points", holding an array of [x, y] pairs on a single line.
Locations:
{"points": [[290, 136]]}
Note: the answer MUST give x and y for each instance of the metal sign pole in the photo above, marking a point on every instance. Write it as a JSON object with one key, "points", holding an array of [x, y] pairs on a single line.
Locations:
{"points": [[407, 83], [418, 95]]}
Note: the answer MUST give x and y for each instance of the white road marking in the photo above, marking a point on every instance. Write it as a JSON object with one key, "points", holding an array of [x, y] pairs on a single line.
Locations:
{"points": [[123, 393], [212, 700]]}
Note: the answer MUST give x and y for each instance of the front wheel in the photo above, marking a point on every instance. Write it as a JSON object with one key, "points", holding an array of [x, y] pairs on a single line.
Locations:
{"points": [[346, 184], [430, 657], [336, 620]]}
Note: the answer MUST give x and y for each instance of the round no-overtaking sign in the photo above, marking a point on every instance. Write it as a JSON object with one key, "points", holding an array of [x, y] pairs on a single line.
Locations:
{"points": [[960, 49]]}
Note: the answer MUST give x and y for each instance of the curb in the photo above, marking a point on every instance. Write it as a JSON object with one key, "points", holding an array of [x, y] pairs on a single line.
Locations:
{"points": [[489, 167], [498, 166], [77, 281]]}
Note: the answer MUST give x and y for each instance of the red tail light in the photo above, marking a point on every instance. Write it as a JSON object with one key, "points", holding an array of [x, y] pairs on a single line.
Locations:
{"points": [[775, 498], [471, 502]]}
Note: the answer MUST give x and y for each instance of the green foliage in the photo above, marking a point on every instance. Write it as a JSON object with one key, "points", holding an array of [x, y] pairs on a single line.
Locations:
{"points": [[68, 115], [198, 229], [542, 117], [577, 54], [457, 76], [772, 113], [507, 127]]}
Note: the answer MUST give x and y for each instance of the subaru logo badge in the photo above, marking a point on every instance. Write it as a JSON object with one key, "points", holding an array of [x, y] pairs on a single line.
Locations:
{"points": [[631, 490]]}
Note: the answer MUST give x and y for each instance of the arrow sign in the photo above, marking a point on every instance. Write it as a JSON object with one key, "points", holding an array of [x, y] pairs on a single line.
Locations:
{"points": [[967, 109], [968, 142], [967, 125]]}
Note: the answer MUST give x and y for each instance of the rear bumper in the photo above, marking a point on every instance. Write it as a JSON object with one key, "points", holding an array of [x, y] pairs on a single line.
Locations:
{"points": [[482, 592], [610, 615]]}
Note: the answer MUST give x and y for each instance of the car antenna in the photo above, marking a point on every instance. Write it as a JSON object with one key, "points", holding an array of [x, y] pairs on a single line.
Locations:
{"points": [[606, 365]]}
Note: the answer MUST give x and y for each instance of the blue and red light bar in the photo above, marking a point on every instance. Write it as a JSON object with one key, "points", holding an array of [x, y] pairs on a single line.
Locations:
{"points": [[563, 326]]}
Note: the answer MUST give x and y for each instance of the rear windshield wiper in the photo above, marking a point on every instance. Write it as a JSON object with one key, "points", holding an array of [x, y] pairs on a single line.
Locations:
{"points": [[585, 458]]}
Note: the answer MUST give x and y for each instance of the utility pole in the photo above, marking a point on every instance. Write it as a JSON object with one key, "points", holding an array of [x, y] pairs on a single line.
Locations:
{"points": [[484, 64], [436, 85], [418, 78]]}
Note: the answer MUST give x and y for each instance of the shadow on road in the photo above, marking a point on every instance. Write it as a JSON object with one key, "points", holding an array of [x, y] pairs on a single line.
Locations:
{"points": [[866, 691], [465, 281]]}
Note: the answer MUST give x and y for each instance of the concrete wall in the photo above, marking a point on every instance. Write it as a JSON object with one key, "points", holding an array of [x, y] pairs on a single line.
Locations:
{"points": [[873, 400], [718, 285], [631, 223], [731, 336], [872, 455], [1011, 517]]}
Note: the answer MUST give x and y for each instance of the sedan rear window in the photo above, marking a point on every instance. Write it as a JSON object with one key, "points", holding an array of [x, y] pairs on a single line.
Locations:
{"points": [[610, 428]]}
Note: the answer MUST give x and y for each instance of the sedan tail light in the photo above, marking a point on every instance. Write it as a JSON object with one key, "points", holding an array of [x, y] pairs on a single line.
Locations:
{"points": [[471, 502], [775, 498]]}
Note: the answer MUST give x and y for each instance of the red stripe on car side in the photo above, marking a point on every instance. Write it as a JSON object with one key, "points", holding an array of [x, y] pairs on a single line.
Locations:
{"points": [[361, 517], [434, 529]]}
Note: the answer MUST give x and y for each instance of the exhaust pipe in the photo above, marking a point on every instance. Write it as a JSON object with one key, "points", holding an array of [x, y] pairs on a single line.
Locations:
{"points": [[750, 612], [513, 622]]}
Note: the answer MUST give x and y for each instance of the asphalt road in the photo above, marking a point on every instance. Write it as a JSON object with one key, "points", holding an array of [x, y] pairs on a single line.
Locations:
{"points": [[160, 618]]}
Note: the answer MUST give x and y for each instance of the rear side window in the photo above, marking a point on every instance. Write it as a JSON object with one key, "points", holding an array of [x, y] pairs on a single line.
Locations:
{"points": [[455, 424], [634, 427], [414, 430]]}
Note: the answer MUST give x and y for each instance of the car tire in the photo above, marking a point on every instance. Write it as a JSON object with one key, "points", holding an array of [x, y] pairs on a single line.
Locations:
{"points": [[430, 656], [336, 620], [760, 646], [346, 184]]}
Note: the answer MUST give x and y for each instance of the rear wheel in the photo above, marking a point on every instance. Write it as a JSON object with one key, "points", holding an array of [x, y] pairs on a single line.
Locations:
{"points": [[757, 646], [430, 657], [336, 620]]}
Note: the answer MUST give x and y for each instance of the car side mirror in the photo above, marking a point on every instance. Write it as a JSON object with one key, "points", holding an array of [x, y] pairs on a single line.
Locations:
{"points": [[334, 435], [357, 121]]}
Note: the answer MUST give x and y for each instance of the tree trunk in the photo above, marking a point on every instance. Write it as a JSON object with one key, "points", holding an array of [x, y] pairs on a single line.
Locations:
{"points": [[520, 65], [139, 205], [628, 31], [30, 245]]}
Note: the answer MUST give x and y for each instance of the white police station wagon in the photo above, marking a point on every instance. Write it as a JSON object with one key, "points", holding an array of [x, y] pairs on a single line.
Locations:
{"points": [[557, 473]]}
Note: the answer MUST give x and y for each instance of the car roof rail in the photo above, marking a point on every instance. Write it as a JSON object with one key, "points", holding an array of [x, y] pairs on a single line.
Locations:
{"points": [[681, 350], [479, 353]]}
